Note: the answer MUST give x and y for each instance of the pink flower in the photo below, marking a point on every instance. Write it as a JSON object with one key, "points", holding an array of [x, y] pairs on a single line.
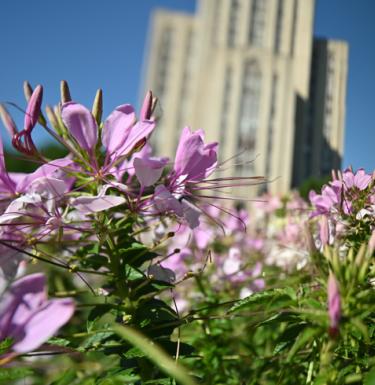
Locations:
{"points": [[120, 136], [13, 184], [360, 179], [28, 317], [330, 197], [194, 161]]}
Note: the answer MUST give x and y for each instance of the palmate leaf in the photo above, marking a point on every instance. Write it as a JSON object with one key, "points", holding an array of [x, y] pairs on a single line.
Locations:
{"points": [[155, 354]]}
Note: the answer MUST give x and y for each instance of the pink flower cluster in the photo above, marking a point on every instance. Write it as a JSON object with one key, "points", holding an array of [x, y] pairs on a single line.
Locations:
{"points": [[109, 168], [346, 202]]}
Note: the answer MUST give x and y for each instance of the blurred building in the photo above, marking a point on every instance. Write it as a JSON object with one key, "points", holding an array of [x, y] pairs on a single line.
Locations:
{"points": [[250, 73]]}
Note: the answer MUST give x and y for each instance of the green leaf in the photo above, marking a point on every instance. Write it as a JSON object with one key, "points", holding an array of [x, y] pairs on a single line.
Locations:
{"points": [[307, 335], [157, 314], [95, 341], [370, 377], [353, 378], [269, 298], [119, 377], [5, 345], [96, 313], [159, 381], [66, 378], [134, 353], [360, 327], [279, 318], [58, 341], [281, 346], [8, 374], [136, 254], [155, 354]]}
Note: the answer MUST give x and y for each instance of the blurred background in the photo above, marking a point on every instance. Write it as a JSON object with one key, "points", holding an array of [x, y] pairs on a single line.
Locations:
{"points": [[286, 86]]}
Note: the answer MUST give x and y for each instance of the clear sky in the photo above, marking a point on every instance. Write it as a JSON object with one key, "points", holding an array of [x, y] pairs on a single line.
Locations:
{"points": [[100, 43]]}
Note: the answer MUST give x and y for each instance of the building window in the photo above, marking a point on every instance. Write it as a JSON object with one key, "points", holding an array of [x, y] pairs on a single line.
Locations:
{"points": [[165, 47], [294, 27], [234, 14], [248, 118], [183, 102], [279, 26], [329, 96], [271, 125], [225, 108], [257, 22], [327, 158], [161, 73]]}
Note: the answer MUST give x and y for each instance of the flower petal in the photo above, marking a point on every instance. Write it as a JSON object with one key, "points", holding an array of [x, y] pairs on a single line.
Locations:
{"points": [[94, 204], [117, 127], [165, 201], [195, 159], [81, 124], [139, 131], [44, 323], [148, 171], [54, 168]]}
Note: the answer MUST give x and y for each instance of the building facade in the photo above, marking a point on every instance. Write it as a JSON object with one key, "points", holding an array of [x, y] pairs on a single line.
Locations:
{"points": [[250, 73]]}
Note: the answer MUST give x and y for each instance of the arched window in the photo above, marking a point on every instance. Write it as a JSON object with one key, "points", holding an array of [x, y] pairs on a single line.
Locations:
{"points": [[271, 125], [225, 108], [257, 22], [249, 116]]}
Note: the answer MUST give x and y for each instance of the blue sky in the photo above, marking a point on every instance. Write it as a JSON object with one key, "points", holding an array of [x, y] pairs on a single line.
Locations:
{"points": [[97, 43]]}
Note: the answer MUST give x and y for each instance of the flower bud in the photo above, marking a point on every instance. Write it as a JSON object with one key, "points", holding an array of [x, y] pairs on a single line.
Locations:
{"points": [[27, 90], [371, 242], [146, 109], [8, 121], [33, 109], [334, 304], [97, 108], [309, 240], [324, 230], [64, 92], [52, 117]]}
